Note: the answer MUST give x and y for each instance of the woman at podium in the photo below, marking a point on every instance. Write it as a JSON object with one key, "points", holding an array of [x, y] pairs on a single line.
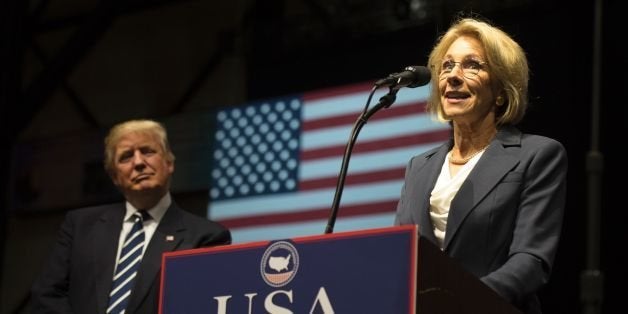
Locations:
{"points": [[492, 198]]}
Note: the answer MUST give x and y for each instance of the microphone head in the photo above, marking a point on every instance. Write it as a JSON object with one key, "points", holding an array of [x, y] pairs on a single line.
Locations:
{"points": [[421, 74], [411, 76]]}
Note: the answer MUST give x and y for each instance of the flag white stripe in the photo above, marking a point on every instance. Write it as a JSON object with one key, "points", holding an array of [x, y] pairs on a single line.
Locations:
{"points": [[354, 103], [300, 201], [314, 227], [374, 130], [361, 163]]}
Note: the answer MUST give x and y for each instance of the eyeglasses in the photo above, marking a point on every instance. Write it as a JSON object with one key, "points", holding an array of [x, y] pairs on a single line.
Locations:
{"points": [[470, 67]]}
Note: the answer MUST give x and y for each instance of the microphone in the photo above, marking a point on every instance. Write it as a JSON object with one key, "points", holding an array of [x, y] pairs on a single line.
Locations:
{"points": [[412, 76]]}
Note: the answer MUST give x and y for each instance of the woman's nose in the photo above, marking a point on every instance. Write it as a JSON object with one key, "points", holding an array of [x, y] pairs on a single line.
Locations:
{"points": [[454, 77]]}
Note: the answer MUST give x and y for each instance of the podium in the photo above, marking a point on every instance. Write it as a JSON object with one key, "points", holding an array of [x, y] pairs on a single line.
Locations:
{"points": [[380, 271]]}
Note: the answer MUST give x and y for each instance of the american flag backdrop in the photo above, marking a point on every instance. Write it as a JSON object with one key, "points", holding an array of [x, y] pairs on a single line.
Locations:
{"points": [[276, 162]]}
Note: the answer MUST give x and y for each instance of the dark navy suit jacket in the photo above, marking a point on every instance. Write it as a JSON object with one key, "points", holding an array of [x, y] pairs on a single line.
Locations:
{"points": [[505, 221], [78, 277]]}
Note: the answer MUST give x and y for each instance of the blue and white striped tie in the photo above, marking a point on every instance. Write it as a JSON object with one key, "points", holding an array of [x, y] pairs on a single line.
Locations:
{"points": [[128, 264]]}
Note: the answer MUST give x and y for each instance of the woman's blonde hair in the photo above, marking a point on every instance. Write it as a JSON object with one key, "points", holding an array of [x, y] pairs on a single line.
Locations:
{"points": [[507, 64]]}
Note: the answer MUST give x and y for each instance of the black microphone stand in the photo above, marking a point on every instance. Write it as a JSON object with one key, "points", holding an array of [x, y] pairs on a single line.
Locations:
{"points": [[384, 102], [592, 278]]}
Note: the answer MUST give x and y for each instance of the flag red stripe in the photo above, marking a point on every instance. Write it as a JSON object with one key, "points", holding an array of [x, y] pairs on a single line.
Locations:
{"points": [[387, 206], [368, 177], [369, 146], [399, 111]]}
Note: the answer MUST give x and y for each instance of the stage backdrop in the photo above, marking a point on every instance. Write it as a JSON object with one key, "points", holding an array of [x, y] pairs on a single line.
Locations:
{"points": [[275, 162]]}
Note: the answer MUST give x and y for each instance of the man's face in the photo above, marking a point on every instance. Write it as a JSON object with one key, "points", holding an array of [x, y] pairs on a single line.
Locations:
{"points": [[140, 164]]}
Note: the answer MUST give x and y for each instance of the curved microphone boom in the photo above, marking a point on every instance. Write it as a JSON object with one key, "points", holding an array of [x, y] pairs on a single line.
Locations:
{"points": [[411, 76]]}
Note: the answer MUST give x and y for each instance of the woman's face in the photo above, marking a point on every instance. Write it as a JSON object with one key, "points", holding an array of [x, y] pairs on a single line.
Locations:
{"points": [[464, 82]]}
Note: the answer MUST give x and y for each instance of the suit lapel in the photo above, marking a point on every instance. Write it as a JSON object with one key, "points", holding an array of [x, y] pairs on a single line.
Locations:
{"points": [[426, 172], [168, 236], [494, 164], [105, 247]]}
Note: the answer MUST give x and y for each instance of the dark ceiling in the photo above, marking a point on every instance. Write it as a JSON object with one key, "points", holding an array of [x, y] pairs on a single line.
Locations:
{"points": [[51, 42]]}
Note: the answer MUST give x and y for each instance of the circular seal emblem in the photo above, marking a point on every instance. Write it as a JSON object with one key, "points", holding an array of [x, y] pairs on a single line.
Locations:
{"points": [[280, 263]]}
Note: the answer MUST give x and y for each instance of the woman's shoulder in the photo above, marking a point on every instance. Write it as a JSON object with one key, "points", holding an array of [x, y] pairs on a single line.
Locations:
{"points": [[543, 149], [511, 135], [541, 142]]}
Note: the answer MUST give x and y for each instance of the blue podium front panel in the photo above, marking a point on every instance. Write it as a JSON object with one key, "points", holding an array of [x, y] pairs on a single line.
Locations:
{"points": [[369, 271]]}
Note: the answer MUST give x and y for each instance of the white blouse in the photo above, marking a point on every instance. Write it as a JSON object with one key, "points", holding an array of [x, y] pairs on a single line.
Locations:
{"points": [[444, 191]]}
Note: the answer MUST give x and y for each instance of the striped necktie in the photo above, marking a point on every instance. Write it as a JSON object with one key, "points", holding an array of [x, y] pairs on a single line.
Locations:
{"points": [[128, 264]]}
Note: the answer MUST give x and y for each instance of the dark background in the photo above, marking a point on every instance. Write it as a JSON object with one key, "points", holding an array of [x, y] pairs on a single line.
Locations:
{"points": [[70, 69]]}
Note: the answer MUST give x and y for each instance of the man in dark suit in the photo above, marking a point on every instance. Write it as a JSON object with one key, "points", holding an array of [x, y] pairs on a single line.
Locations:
{"points": [[78, 277]]}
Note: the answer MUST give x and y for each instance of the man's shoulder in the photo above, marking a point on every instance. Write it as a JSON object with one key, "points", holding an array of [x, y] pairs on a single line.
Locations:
{"points": [[190, 217], [194, 221], [199, 229], [94, 210]]}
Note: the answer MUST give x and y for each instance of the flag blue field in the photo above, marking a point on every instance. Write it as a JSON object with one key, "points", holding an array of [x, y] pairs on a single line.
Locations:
{"points": [[276, 162]]}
